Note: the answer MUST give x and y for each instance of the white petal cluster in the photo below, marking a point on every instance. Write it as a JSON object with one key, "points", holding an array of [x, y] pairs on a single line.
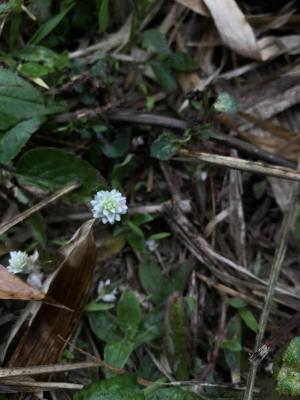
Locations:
{"points": [[103, 294], [18, 262], [21, 263], [109, 206]]}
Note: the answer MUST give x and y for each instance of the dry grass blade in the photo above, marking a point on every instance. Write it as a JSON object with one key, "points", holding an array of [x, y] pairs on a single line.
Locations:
{"points": [[51, 328], [243, 165], [225, 270], [46, 369], [114, 40], [31, 386], [20, 217]]}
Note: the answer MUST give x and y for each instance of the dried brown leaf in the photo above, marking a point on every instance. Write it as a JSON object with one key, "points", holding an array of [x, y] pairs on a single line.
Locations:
{"points": [[12, 287], [51, 327]]}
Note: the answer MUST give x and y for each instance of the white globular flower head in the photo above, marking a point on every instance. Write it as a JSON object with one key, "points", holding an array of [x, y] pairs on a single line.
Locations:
{"points": [[17, 262], [21, 263], [109, 206]]}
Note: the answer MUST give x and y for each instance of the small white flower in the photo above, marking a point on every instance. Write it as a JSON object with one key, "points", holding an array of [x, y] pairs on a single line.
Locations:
{"points": [[102, 285], [18, 262], [110, 297], [109, 206], [21, 263], [103, 294], [35, 279], [151, 244]]}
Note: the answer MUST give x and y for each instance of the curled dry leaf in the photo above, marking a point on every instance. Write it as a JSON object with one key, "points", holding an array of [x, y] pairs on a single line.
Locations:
{"points": [[237, 33], [51, 327], [233, 27], [12, 287]]}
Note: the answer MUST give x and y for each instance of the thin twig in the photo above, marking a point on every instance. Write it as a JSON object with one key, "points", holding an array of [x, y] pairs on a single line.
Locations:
{"points": [[275, 270], [184, 205], [27, 213], [131, 116], [243, 165]]}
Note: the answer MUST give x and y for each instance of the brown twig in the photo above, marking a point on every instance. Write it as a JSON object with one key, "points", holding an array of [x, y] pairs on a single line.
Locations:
{"points": [[162, 121], [243, 165], [27, 213]]}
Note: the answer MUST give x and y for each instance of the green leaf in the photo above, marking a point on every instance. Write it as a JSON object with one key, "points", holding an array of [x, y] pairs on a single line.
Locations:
{"points": [[93, 307], [141, 218], [104, 326], [147, 369], [288, 382], [150, 328], [135, 229], [39, 228], [159, 236], [183, 62], [119, 147], [117, 354], [7, 6], [248, 318], [19, 100], [231, 344], [291, 356], [172, 394], [51, 168], [120, 387], [103, 16], [136, 241], [150, 101], [288, 377], [233, 359], [119, 170], [164, 75], [152, 280], [40, 55], [177, 337], [236, 302], [178, 280], [165, 146], [33, 70], [225, 103], [12, 142], [49, 26], [129, 313], [154, 40]]}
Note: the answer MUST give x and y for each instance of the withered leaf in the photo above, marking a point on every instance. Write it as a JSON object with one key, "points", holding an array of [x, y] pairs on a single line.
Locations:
{"points": [[52, 327], [12, 287]]}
